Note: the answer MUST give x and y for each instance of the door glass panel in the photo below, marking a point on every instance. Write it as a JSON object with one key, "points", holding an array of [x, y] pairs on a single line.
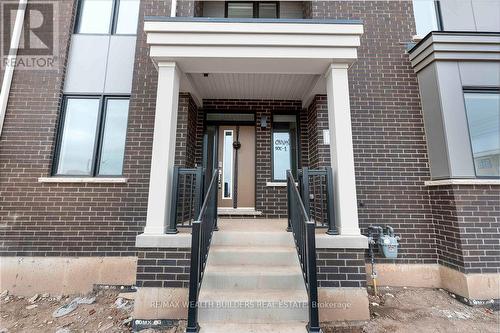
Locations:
{"points": [[227, 173], [240, 9], [483, 116], [237, 117], [78, 136], [281, 155], [113, 141]]}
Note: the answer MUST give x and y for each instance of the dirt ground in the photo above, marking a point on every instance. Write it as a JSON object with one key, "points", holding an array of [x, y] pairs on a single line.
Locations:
{"points": [[397, 310]]}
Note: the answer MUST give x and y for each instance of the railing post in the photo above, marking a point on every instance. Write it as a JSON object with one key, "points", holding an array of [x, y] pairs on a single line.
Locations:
{"points": [[194, 279], [289, 203], [313, 325], [305, 190], [332, 227], [216, 228], [172, 224], [198, 189]]}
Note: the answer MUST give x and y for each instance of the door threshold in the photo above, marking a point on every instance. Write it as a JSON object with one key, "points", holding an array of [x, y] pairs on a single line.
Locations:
{"points": [[238, 211]]}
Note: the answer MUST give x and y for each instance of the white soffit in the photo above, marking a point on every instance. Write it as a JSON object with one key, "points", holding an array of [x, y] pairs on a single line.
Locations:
{"points": [[252, 86], [225, 46]]}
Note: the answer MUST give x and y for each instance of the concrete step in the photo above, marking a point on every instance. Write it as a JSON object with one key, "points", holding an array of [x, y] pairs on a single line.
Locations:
{"points": [[253, 307], [253, 277], [291, 327], [252, 255], [242, 238]]}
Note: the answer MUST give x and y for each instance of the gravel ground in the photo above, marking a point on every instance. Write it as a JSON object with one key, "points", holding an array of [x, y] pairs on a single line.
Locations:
{"points": [[396, 310]]}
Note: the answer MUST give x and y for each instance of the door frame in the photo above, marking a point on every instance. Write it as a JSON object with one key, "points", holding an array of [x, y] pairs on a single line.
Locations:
{"points": [[217, 124]]}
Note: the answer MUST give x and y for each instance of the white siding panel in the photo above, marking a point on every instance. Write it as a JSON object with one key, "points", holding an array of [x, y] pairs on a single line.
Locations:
{"points": [[87, 64], [120, 69]]}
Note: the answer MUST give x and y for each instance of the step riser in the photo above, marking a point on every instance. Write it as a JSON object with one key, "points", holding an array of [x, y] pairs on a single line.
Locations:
{"points": [[253, 315], [253, 239], [252, 258], [231, 281], [252, 328]]}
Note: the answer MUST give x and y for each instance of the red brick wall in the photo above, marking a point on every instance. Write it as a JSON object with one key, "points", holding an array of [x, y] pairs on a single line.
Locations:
{"points": [[163, 267], [388, 133], [467, 226], [62, 219]]}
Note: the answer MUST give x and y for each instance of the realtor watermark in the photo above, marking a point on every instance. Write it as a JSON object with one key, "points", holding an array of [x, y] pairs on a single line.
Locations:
{"points": [[250, 304], [38, 47]]}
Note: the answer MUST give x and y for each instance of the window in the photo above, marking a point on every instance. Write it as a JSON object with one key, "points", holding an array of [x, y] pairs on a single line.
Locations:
{"points": [[92, 136], [252, 9], [284, 146], [227, 172], [483, 117], [427, 17], [108, 17]]}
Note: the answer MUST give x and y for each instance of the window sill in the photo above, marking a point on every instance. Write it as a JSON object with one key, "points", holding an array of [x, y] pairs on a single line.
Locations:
{"points": [[95, 180], [278, 184], [462, 182]]}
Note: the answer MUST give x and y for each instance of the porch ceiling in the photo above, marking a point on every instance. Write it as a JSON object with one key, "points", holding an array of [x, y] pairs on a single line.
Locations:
{"points": [[253, 86], [265, 58]]}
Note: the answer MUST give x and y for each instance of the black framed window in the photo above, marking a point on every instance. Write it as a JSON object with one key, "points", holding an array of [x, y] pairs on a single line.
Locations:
{"points": [[427, 16], [252, 9], [284, 146], [107, 17], [483, 118], [91, 138]]}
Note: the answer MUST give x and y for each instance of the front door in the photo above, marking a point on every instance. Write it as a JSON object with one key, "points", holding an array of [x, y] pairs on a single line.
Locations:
{"points": [[236, 160]]}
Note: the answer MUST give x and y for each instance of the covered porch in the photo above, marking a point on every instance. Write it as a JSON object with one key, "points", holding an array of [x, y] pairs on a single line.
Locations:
{"points": [[220, 77]]}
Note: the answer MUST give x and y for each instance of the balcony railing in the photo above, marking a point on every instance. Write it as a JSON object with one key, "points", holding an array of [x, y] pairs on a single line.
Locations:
{"points": [[187, 196], [317, 193]]}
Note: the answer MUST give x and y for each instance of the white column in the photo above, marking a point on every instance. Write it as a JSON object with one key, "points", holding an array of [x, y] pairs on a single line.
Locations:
{"points": [[341, 150], [162, 161]]}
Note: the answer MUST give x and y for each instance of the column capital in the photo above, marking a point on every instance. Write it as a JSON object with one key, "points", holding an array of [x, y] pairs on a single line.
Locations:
{"points": [[171, 64], [334, 65]]}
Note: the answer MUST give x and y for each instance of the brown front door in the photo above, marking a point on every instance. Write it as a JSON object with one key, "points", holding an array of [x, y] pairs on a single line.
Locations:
{"points": [[237, 166]]}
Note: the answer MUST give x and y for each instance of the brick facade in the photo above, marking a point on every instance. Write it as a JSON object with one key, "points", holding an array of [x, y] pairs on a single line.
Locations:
{"points": [[163, 267], [457, 226], [341, 268], [467, 226], [388, 132]]}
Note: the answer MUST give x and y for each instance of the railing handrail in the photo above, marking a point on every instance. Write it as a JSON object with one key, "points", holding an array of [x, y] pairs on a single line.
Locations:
{"points": [[205, 201], [202, 230], [301, 204], [304, 235]]}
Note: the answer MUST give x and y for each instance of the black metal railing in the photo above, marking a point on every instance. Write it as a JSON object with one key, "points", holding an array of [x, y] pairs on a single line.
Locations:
{"points": [[187, 197], [303, 230], [202, 230], [317, 193]]}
